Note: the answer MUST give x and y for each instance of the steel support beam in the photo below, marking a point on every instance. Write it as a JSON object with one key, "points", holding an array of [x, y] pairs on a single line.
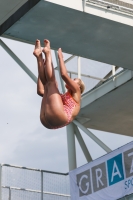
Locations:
{"points": [[82, 144], [70, 58], [18, 61], [108, 75], [71, 147], [79, 68], [92, 136], [67, 60]]}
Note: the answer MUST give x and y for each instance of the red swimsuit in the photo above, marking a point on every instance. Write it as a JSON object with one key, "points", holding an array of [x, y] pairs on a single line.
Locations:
{"points": [[69, 104]]}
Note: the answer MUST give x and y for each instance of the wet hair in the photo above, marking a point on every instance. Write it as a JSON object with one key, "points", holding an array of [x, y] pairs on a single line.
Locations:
{"points": [[82, 85]]}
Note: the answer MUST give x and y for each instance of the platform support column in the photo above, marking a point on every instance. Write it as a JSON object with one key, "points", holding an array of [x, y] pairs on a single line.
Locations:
{"points": [[84, 5], [113, 70], [0, 182], [71, 147], [79, 68], [70, 130], [82, 144]]}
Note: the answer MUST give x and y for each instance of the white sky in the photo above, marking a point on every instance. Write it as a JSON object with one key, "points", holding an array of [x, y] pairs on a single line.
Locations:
{"points": [[23, 139]]}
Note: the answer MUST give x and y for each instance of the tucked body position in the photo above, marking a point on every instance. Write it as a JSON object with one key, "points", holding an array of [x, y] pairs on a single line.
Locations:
{"points": [[57, 110]]}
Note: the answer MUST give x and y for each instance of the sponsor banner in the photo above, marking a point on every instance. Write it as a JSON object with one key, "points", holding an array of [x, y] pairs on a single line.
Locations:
{"points": [[107, 178]]}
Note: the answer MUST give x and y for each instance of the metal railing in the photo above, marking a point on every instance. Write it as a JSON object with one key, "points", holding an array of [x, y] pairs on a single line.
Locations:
{"points": [[89, 80], [117, 5], [24, 183], [76, 73]]}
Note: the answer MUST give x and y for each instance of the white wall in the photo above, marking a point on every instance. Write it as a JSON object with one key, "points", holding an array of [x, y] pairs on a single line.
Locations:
{"points": [[74, 4]]}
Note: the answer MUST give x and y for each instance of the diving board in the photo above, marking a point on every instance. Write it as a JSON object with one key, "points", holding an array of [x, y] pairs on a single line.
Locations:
{"points": [[109, 107]]}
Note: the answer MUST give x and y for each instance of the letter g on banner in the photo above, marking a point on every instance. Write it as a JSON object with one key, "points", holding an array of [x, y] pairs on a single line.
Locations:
{"points": [[84, 183], [81, 182]]}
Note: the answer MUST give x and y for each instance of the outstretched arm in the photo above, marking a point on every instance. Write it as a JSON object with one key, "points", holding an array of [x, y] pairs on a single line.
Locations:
{"points": [[74, 87]]}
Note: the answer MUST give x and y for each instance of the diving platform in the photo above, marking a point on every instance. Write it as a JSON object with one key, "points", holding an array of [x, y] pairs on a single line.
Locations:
{"points": [[109, 107], [88, 29]]}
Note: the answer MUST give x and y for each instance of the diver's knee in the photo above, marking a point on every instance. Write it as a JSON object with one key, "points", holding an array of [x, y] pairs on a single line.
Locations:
{"points": [[40, 92]]}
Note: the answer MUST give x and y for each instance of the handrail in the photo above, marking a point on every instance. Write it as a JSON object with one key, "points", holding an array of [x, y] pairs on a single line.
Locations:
{"points": [[88, 76], [33, 169], [116, 6]]}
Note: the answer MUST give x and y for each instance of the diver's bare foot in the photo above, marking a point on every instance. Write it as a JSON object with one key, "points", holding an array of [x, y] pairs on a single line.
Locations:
{"points": [[60, 54], [37, 51], [47, 43], [46, 48]]}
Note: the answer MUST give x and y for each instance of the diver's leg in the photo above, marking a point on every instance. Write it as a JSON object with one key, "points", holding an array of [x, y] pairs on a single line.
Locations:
{"points": [[53, 106], [41, 63], [49, 70]]}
